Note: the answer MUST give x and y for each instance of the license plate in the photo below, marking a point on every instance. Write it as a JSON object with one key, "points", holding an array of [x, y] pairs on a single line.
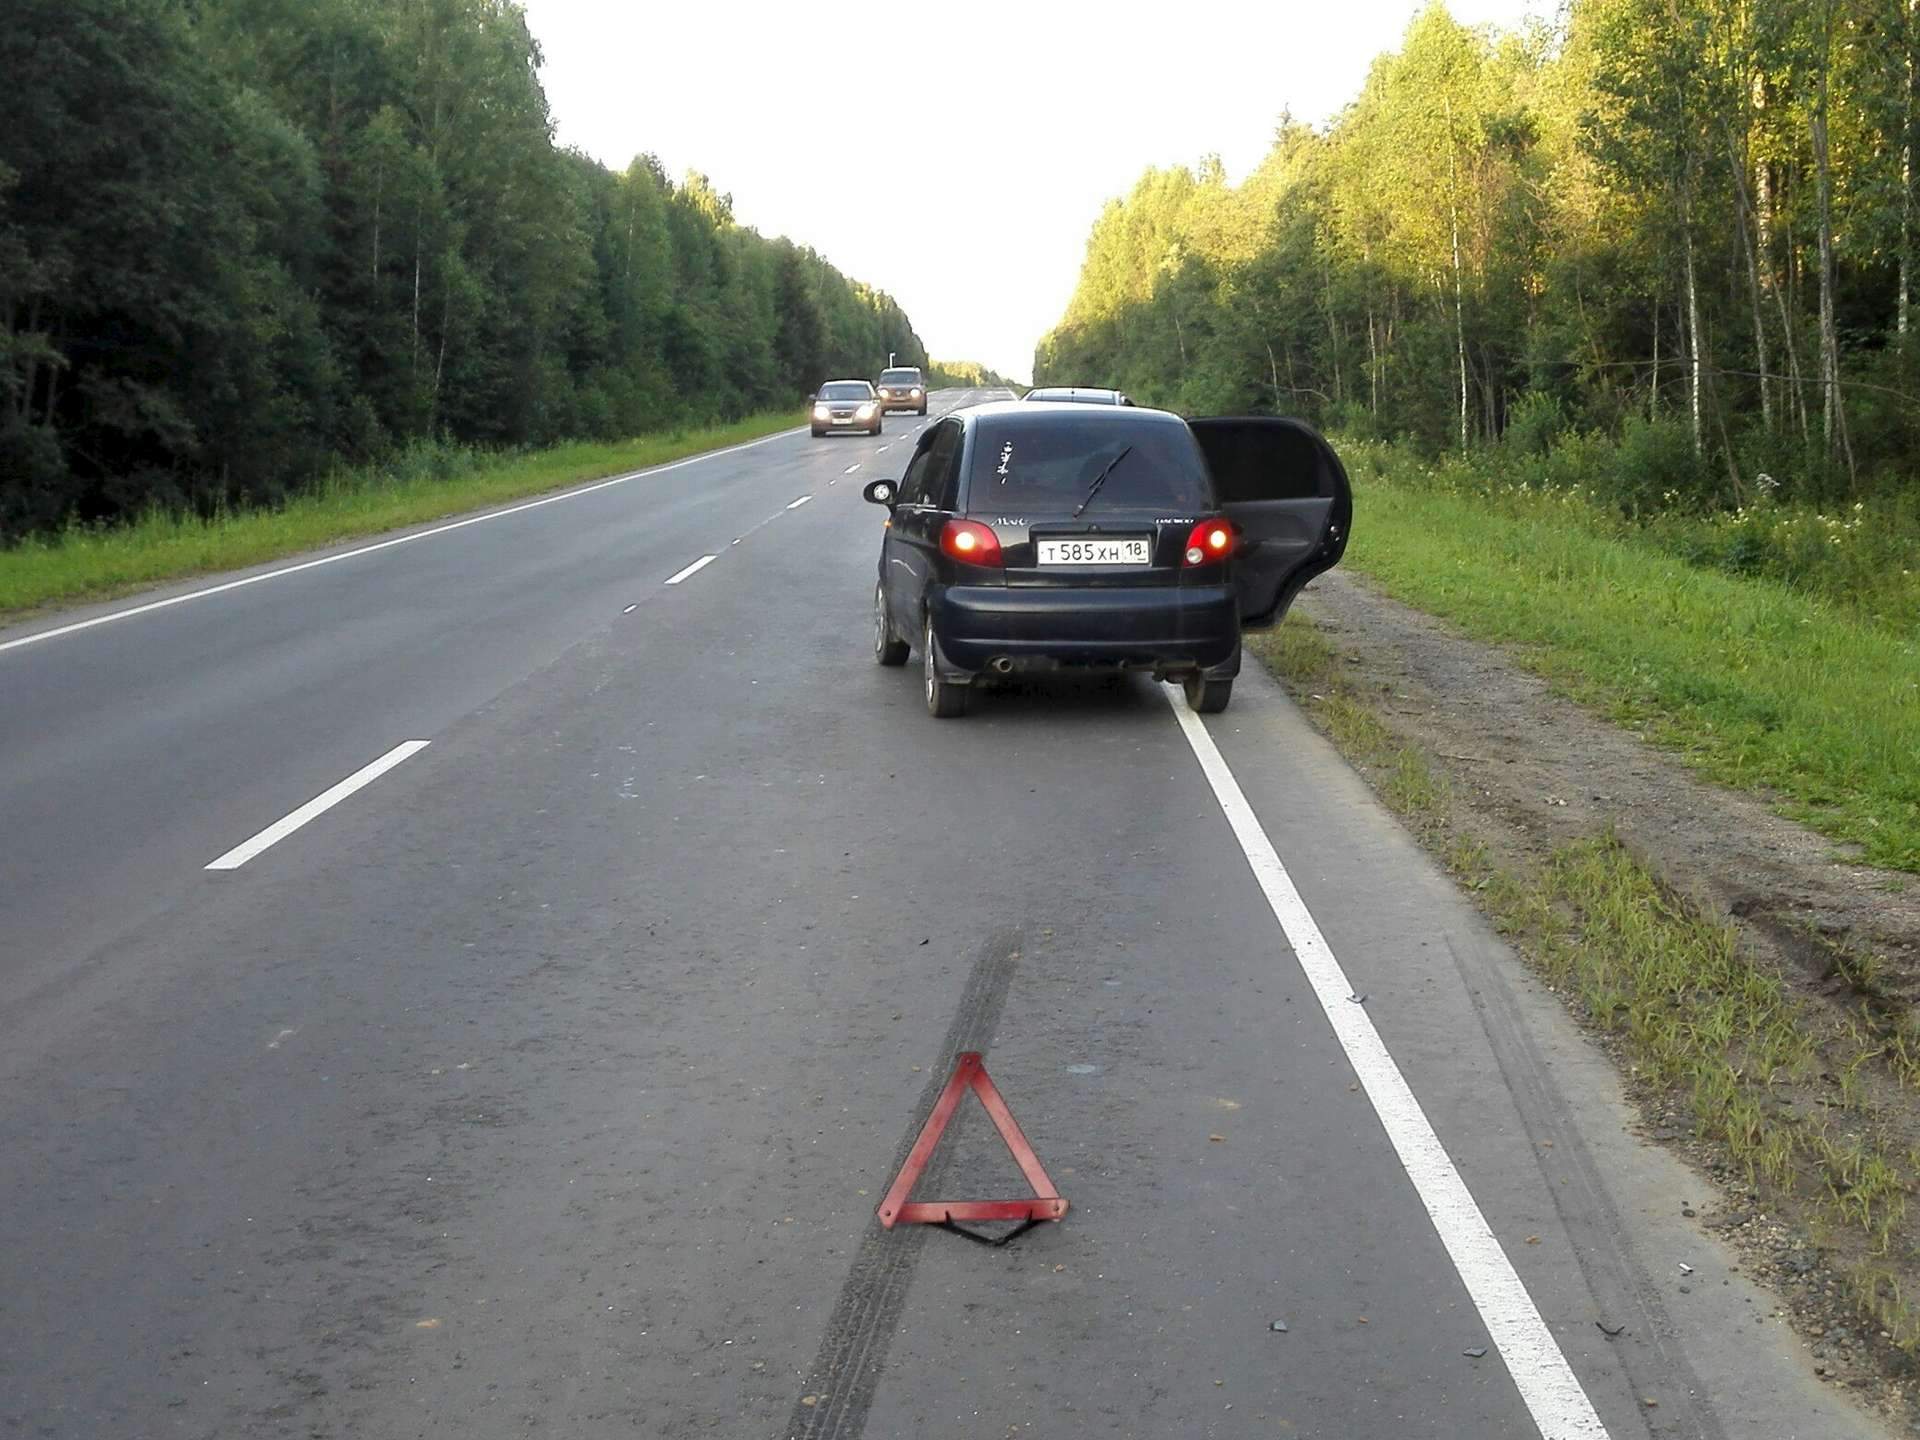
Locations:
{"points": [[842, 421], [1095, 552]]}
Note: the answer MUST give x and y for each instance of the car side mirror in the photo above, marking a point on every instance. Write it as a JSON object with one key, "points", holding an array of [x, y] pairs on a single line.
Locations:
{"points": [[880, 492]]}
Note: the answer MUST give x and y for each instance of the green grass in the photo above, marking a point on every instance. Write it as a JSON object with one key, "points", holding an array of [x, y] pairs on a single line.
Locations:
{"points": [[1754, 683], [1697, 1014], [90, 563], [1700, 1021]]}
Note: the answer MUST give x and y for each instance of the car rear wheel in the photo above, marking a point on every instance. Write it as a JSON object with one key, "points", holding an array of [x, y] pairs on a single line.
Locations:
{"points": [[888, 648], [1208, 697], [944, 699]]}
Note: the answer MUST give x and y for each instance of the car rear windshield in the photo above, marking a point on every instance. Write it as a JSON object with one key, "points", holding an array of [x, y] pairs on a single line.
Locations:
{"points": [[1047, 465], [899, 377], [846, 390]]}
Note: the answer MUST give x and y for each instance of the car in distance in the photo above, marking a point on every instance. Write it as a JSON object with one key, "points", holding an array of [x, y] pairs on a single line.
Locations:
{"points": [[1033, 537], [1078, 395], [846, 405], [903, 388]]}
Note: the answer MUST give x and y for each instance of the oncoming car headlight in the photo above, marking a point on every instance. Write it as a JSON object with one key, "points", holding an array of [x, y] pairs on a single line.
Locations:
{"points": [[916, 393], [820, 412], [866, 411]]}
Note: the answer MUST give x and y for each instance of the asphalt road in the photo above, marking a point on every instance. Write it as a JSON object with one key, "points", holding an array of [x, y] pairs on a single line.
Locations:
{"points": [[547, 1083]]}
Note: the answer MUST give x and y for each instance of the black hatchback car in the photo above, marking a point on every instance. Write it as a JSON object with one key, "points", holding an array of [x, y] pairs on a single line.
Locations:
{"points": [[1030, 537]]}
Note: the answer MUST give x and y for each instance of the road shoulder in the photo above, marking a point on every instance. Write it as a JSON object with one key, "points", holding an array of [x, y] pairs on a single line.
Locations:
{"points": [[1502, 782]]}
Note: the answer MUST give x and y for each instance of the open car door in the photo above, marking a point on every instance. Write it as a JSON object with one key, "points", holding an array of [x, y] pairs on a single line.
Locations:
{"points": [[1285, 490]]}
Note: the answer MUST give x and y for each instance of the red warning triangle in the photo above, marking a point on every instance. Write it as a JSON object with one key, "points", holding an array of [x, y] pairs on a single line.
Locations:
{"points": [[969, 1074]]}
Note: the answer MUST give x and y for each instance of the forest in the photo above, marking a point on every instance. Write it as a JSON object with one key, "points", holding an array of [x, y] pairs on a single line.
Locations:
{"points": [[1661, 250], [244, 242], [963, 374]]}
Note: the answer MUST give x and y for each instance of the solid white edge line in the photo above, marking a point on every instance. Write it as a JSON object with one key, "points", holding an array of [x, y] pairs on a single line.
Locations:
{"points": [[172, 600], [1546, 1382], [694, 569], [798, 503], [319, 805]]}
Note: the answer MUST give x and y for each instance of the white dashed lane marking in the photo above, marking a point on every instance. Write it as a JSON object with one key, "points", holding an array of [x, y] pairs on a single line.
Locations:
{"points": [[694, 569], [416, 536], [319, 805]]}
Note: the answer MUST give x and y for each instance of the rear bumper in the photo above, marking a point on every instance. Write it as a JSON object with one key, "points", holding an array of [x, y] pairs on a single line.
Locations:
{"points": [[1175, 629]]}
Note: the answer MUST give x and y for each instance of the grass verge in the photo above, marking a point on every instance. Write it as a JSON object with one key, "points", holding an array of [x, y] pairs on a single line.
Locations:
{"points": [[87, 563], [1753, 683], [1807, 1102]]}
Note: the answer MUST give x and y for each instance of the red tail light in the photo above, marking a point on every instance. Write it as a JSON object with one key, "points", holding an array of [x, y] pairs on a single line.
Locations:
{"points": [[969, 542], [1210, 543]]}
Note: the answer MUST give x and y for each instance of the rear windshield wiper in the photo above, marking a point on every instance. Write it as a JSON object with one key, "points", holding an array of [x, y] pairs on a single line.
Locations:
{"points": [[1101, 478]]}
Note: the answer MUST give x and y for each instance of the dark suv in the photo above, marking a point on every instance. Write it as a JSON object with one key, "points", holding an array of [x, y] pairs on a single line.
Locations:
{"points": [[1032, 537], [903, 388]]}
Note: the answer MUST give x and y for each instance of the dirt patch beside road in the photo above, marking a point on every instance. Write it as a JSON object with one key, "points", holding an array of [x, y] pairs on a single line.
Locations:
{"points": [[1756, 986], [1553, 772]]}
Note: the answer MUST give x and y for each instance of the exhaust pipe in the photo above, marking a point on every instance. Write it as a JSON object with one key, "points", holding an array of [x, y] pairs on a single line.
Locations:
{"points": [[1002, 665]]}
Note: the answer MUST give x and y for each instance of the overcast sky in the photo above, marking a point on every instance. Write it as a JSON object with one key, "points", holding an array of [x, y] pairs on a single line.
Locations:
{"points": [[954, 158]]}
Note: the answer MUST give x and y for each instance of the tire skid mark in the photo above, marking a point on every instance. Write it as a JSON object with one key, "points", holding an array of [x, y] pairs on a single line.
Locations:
{"points": [[845, 1375]]}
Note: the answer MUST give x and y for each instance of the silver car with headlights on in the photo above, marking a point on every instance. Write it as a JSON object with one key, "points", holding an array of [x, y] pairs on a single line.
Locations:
{"points": [[846, 405]]}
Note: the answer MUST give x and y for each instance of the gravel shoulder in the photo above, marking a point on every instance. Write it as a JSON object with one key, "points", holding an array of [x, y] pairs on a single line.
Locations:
{"points": [[1549, 772]]}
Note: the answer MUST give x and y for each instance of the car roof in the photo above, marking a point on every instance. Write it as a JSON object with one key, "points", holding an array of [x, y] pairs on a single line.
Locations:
{"points": [[1074, 390], [1033, 411], [849, 380]]}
